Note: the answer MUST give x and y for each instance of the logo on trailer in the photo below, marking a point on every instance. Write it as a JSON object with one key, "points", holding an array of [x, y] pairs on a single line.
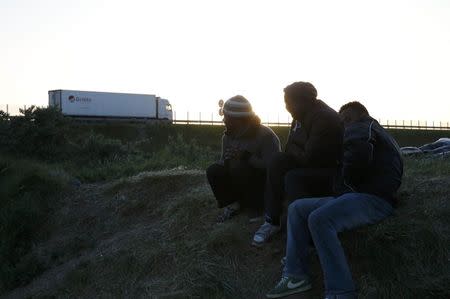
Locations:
{"points": [[79, 99]]}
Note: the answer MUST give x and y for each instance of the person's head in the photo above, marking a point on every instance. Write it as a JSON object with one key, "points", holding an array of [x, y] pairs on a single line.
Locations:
{"points": [[352, 112], [237, 113], [298, 97]]}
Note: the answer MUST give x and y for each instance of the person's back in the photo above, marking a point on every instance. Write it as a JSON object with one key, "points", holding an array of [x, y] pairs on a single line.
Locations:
{"points": [[372, 160]]}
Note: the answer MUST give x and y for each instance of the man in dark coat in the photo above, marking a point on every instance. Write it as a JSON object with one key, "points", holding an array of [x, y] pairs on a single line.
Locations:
{"points": [[371, 174], [238, 178], [308, 165]]}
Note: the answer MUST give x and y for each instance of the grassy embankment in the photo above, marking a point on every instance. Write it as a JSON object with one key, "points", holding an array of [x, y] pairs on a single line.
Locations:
{"points": [[153, 235]]}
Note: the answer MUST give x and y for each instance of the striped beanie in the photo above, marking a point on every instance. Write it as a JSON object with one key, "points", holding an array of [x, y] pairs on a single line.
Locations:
{"points": [[238, 106]]}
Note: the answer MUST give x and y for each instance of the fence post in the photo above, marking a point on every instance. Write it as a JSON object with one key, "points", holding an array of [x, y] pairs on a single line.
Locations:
{"points": [[7, 109]]}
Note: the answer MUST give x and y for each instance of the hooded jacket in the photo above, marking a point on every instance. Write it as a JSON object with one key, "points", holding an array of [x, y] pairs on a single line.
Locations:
{"points": [[372, 161]]}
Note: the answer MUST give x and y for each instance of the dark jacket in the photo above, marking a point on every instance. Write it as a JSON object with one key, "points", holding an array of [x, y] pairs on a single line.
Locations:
{"points": [[316, 141], [372, 160]]}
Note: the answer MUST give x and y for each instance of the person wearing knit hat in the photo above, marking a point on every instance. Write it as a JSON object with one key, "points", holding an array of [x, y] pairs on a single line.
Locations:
{"points": [[238, 107], [309, 163], [238, 179]]}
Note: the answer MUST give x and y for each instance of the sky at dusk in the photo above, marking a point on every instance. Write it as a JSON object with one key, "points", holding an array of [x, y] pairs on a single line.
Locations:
{"points": [[393, 56]]}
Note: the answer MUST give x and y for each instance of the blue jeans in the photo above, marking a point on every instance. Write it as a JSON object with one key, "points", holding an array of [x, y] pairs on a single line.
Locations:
{"points": [[320, 219]]}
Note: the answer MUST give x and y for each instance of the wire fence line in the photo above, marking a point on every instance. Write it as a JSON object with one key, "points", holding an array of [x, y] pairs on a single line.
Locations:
{"points": [[404, 124], [200, 118]]}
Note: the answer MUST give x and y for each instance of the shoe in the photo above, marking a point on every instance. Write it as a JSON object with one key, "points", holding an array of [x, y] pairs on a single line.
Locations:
{"points": [[288, 286], [227, 213], [283, 261], [264, 233]]}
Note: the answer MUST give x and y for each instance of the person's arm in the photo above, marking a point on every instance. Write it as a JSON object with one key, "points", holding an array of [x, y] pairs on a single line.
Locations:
{"points": [[325, 135], [359, 141], [271, 145]]}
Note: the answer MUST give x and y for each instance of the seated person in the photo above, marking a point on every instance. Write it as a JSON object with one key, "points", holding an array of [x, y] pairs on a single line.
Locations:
{"points": [[238, 179], [371, 175], [310, 161]]}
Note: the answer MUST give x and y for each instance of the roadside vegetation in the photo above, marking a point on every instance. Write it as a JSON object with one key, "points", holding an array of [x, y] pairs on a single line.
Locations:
{"points": [[124, 210]]}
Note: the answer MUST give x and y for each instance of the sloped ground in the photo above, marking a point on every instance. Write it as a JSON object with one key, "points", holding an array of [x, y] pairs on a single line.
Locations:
{"points": [[154, 236]]}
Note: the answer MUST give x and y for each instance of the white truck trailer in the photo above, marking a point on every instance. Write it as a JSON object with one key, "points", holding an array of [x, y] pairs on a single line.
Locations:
{"points": [[90, 104]]}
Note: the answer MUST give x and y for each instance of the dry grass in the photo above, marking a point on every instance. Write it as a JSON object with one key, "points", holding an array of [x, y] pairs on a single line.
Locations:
{"points": [[154, 236]]}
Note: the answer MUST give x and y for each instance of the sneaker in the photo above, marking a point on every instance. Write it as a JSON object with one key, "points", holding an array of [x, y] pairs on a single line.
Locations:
{"points": [[288, 286], [227, 213], [264, 233]]}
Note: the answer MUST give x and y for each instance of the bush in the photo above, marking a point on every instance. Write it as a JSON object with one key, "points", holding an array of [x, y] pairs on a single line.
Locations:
{"points": [[26, 193], [95, 147], [38, 132]]}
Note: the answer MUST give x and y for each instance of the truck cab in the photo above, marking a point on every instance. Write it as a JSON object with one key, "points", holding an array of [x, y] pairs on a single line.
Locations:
{"points": [[164, 109]]}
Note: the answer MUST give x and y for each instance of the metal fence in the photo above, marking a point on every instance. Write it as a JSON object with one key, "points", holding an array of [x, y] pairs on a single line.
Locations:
{"points": [[200, 118]]}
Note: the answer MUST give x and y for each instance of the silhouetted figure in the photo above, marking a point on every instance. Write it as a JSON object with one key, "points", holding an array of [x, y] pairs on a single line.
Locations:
{"points": [[238, 179], [308, 165], [371, 174]]}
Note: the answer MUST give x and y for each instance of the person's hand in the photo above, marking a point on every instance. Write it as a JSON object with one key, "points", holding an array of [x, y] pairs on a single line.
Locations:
{"points": [[239, 154], [235, 154], [229, 153]]}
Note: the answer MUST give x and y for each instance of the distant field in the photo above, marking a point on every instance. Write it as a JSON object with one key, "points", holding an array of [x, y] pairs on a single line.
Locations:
{"points": [[210, 135]]}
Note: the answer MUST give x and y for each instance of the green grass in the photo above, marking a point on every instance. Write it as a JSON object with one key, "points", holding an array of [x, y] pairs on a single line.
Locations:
{"points": [[27, 190], [154, 236]]}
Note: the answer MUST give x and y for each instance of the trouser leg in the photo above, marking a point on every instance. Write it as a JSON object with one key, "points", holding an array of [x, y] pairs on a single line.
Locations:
{"points": [[298, 236], [221, 185], [346, 212], [249, 182], [279, 165]]}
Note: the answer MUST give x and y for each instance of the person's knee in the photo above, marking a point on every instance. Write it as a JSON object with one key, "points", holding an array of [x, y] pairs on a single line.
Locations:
{"points": [[215, 170], [318, 219], [297, 209], [241, 171]]}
